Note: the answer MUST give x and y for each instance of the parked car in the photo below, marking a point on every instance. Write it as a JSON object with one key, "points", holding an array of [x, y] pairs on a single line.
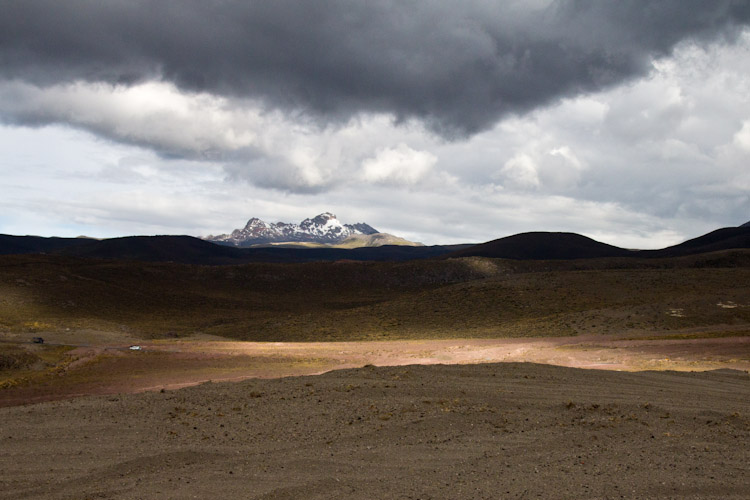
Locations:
{"points": [[135, 348], [38, 340]]}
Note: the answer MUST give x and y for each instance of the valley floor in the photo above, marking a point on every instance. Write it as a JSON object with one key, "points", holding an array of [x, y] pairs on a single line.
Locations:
{"points": [[95, 363]]}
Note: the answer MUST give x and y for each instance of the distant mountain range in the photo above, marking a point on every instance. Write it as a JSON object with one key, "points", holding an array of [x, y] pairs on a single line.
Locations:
{"points": [[324, 229], [524, 246]]}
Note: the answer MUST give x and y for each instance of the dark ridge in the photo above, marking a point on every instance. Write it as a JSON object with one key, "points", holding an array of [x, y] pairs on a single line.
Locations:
{"points": [[746, 224], [190, 250], [525, 246], [182, 249], [570, 246], [398, 253], [542, 246], [722, 239], [36, 244]]}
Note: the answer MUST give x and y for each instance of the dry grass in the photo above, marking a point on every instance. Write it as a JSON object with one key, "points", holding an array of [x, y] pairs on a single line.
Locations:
{"points": [[696, 335], [23, 365], [366, 301]]}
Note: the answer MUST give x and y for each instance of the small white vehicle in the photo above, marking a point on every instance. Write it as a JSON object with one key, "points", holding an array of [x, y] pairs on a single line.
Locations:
{"points": [[135, 348]]}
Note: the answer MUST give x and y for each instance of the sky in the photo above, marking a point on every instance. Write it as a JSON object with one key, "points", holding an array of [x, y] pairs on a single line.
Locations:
{"points": [[442, 122]]}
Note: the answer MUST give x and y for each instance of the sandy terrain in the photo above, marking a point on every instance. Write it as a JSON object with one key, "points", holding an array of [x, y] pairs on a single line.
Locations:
{"points": [[503, 430]]}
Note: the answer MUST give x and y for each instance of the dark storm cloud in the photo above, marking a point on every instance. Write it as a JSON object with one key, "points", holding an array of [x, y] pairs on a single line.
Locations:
{"points": [[458, 66]]}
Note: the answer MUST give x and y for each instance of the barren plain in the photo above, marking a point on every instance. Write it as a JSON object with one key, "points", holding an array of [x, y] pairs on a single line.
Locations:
{"points": [[470, 378]]}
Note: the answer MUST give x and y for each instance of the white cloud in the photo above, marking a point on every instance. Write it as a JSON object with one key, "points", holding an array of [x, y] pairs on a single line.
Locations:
{"points": [[568, 156], [400, 165], [519, 172], [742, 137], [154, 114]]}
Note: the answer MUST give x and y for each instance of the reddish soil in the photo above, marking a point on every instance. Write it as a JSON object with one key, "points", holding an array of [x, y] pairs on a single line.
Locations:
{"points": [[172, 364]]}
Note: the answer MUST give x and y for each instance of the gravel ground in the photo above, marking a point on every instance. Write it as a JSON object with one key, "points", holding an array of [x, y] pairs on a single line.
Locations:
{"points": [[507, 430]]}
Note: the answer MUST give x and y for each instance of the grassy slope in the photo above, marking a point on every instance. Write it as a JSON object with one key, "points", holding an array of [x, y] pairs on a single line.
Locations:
{"points": [[354, 241], [357, 300]]}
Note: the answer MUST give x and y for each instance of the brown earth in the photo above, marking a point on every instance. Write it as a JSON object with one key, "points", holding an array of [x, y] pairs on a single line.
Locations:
{"points": [[504, 430]]}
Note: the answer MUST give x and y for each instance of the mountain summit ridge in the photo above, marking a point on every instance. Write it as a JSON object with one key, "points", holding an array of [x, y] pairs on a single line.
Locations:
{"points": [[323, 228]]}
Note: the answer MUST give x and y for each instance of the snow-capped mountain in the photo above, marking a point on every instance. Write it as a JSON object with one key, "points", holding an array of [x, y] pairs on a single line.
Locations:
{"points": [[324, 228]]}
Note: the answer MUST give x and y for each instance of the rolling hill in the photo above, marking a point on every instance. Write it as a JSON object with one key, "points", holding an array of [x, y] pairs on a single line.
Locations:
{"points": [[722, 239], [10, 245], [542, 246], [570, 246]]}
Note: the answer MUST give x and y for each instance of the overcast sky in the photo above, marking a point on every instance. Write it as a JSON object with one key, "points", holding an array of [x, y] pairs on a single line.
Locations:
{"points": [[441, 122]]}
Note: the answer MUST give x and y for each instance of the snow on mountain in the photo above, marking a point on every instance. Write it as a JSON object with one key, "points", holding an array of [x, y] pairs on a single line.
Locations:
{"points": [[323, 228]]}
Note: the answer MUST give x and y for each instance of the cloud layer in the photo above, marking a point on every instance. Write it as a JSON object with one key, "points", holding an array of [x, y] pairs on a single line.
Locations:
{"points": [[458, 67]]}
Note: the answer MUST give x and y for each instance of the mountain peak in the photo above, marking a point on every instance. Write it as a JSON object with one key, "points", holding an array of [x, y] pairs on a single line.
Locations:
{"points": [[326, 218], [323, 228], [255, 223]]}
